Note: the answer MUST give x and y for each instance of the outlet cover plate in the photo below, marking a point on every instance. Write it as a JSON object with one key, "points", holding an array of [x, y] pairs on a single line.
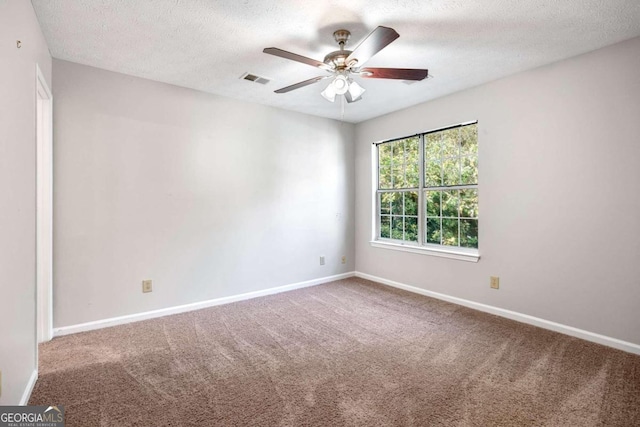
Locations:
{"points": [[147, 286]]}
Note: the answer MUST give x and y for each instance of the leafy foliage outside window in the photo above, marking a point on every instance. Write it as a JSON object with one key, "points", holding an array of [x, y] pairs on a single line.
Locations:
{"points": [[448, 191]]}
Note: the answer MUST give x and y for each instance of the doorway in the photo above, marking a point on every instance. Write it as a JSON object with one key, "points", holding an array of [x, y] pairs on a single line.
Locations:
{"points": [[44, 209]]}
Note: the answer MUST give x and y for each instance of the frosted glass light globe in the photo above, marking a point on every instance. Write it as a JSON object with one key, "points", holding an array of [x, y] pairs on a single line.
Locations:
{"points": [[341, 85]]}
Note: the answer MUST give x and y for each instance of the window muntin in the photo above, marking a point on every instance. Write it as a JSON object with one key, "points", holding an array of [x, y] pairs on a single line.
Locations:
{"points": [[428, 188]]}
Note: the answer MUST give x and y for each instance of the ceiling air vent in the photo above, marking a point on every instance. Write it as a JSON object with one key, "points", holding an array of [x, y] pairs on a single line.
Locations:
{"points": [[254, 78]]}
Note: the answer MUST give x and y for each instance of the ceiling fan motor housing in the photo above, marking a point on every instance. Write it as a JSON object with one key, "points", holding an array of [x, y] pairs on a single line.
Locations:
{"points": [[337, 59]]}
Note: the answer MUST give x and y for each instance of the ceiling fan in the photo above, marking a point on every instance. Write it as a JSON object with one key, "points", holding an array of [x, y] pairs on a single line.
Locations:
{"points": [[343, 64]]}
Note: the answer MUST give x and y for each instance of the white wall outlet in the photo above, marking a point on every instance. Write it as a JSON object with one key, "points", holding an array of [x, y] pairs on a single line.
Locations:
{"points": [[147, 286], [344, 259], [494, 282], [321, 259]]}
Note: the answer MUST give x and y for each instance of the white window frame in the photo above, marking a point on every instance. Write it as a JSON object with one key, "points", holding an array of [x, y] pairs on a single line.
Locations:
{"points": [[419, 247]]}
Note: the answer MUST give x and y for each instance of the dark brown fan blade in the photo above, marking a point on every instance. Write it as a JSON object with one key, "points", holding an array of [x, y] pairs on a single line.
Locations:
{"points": [[295, 57], [374, 43], [301, 84], [394, 73]]}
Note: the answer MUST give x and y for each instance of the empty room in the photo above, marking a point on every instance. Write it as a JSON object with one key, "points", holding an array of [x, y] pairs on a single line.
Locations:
{"points": [[280, 213]]}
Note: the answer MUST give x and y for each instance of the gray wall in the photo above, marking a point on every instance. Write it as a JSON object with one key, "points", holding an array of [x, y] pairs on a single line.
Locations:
{"points": [[559, 174], [18, 193], [207, 196]]}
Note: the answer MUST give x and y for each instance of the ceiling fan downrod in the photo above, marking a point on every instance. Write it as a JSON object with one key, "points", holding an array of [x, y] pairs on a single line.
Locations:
{"points": [[341, 37]]}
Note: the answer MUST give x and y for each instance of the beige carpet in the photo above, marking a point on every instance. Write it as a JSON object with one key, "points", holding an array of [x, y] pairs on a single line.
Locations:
{"points": [[348, 353]]}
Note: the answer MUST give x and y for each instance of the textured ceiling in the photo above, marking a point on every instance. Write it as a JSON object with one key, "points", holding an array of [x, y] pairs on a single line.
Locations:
{"points": [[208, 45]]}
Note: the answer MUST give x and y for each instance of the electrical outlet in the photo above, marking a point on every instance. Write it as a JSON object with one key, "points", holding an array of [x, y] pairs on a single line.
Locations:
{"points": [[344, 259], [494, 282], [321, 260], [147, 286]]}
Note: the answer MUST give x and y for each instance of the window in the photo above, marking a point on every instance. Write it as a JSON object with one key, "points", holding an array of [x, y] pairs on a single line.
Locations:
{"points": [[427, 191]]}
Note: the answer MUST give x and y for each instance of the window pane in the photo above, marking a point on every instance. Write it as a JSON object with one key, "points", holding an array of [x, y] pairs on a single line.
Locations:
{"points": [[385, 203], [397, 150], [411, 203], [433, 203], [450, 147], [385, 227], [469, 140], [433, 174], [384, 152], [469, 170], [451, 172], [384, 161], [433, 230], [397, 227], [385, 178], [450, 232], [412, 162], [432, 147], [469, 233], [411, 147], [412, 176], [450, 203], [469, 203], [398, 176], [411, 229], [396, 203]]}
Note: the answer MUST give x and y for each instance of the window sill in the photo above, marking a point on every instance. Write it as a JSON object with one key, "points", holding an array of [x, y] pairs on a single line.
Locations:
{"points": [[461, 255]]}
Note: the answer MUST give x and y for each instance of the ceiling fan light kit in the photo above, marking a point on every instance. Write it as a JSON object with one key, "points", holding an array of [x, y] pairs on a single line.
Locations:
{"points": [[343, 63], [343, 85]]}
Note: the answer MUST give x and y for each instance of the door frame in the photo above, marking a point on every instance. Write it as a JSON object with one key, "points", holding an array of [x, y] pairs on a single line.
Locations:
{"points": [[44, 209]]}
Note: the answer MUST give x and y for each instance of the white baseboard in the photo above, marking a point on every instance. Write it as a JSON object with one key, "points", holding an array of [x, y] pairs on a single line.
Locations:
{"points": [[27, 391], [105, 323], [524, 318]]}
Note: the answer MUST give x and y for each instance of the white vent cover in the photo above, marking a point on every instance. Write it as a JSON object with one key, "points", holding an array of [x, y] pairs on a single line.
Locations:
{"points": [[254, 78]]}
